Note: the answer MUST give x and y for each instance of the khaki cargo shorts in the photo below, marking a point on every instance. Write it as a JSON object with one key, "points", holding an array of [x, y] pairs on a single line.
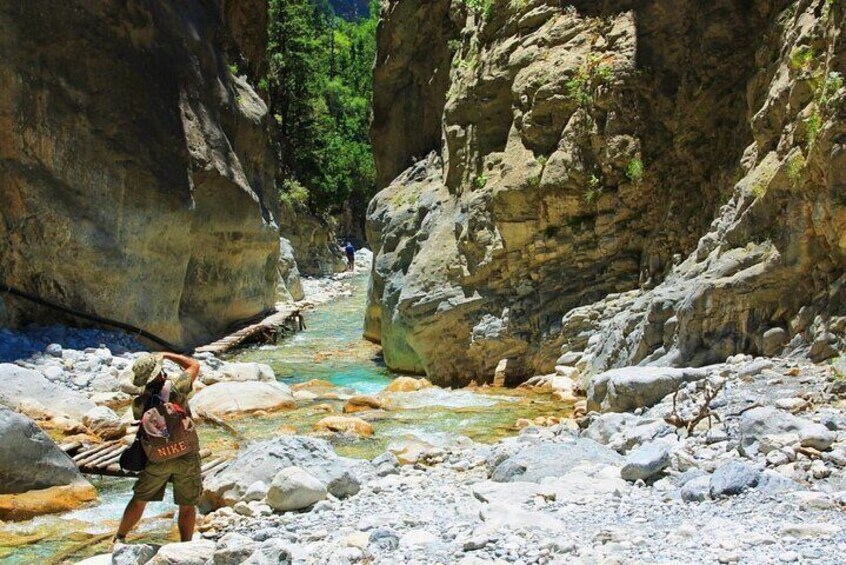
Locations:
{"points": [[183, 471]]}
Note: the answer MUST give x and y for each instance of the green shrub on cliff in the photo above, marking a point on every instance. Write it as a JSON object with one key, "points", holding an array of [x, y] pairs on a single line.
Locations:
{"points": [[812, 123], [483, 8], [802, 58], [795, 168], [827, 86], [294, 194], [592, 74], [594, 189], [634, 171]]}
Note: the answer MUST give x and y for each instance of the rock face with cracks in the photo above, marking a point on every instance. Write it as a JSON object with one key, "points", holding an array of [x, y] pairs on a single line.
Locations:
{"points": [[623, 182], [135, 172]]}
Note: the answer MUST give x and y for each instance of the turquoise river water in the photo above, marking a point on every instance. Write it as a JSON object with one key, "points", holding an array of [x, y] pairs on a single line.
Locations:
{"points": [[331, 349]]}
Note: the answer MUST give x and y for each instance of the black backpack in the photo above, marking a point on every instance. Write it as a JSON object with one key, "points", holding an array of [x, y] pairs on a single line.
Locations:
{"points": [[135, 458]]}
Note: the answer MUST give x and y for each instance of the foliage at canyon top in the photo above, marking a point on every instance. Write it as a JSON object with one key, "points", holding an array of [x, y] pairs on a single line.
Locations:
{"points": [[320, 85]]}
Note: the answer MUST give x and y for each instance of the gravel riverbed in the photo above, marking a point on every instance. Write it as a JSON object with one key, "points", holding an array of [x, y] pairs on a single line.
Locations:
{"points": [[740, 462]]}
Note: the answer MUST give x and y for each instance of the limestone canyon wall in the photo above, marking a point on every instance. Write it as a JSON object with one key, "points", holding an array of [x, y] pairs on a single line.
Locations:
{"points": [[135, 176], [607, 183]]}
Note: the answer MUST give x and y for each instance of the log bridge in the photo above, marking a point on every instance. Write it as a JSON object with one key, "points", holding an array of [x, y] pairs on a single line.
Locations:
{"points": [[284, 319], [102, 458]]}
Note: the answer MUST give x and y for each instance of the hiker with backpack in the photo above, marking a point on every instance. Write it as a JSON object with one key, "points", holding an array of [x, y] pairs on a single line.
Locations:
{"points": [[349, 249], [166, 448]]}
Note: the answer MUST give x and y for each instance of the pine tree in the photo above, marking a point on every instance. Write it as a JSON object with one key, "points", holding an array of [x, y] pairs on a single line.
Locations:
{"points": [[320, 85]]}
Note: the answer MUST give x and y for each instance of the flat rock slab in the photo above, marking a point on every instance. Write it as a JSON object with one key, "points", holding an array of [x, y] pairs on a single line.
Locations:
{"points": [[501, 515], [226, 398], [534, 463], [19, 384], [629, 388]]}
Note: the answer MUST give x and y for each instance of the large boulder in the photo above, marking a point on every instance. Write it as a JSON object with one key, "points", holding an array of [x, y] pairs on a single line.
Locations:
{"points": [[622, 390], [18, 384], [760, 427], [133, 553], [602, 427], [733, 478], [229, 398], [263, 461], [36, 477], [232, 549], [29, 459], [294, 489], [533, 464]]}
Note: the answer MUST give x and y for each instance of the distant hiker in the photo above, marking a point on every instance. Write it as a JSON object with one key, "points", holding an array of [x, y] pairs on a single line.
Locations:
{"points": [[350, 249], [167, 448]]}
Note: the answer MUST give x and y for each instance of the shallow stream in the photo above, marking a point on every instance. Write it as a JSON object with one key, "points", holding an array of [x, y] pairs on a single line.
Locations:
{"points": [[331, 349]]}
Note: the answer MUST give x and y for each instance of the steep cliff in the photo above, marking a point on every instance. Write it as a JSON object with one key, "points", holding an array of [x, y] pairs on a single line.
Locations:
{"points": [[313, 242], [135, 175], [612, 183]]}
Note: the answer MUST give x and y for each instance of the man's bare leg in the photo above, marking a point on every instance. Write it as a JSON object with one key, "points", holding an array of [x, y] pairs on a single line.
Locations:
{"points": [[131, 516], [187, 519]]}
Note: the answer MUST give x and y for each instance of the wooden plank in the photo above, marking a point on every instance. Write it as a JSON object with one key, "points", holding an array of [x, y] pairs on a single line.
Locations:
{"points": [[233, 340], [216, 468], [96, 456], [110, 461], [86, 454], [70, 446], [105, 456], [211, 464], [114, 470]]}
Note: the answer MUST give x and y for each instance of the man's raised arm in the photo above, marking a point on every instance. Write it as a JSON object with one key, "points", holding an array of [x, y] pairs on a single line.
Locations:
{"points": [[191, 366]]}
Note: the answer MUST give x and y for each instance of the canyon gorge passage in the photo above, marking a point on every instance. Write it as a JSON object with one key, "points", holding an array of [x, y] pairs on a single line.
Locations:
{"points": [[603, 316]]}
